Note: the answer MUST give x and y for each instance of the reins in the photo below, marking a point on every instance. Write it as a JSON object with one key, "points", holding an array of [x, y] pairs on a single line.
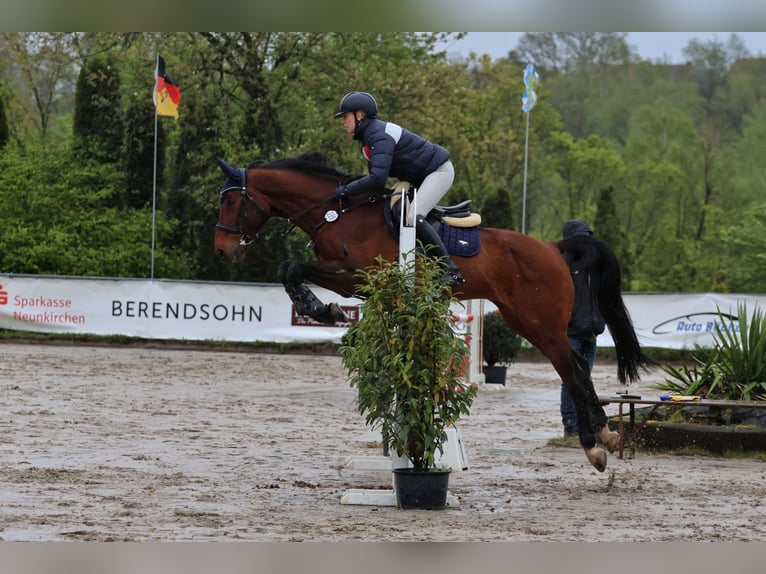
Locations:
{"points": [[284, 227]]}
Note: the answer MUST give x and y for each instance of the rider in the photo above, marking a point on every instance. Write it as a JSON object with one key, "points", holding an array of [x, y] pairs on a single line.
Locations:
{"points": [[391, 150]]}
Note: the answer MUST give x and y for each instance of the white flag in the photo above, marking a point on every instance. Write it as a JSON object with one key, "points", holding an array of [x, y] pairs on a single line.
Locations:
{"points": [[531, 80]]}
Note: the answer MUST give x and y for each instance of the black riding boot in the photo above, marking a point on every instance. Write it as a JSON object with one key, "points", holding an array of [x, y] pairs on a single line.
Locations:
{"points": [[428, 236]]}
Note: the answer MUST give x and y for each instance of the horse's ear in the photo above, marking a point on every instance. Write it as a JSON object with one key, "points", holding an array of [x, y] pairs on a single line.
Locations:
{"points": [[228, 171]]}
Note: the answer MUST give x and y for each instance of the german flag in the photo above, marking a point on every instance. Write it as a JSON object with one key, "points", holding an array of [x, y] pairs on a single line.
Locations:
{"points": [[167, 96]]}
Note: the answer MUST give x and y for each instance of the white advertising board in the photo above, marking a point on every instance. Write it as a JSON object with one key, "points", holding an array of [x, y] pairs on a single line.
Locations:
{"points": [[161, 309], [189, 310], [683, 320]]}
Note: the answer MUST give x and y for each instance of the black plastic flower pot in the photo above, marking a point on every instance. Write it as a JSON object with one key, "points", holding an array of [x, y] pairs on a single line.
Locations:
{"points": [[494, 374], [421, 489]]}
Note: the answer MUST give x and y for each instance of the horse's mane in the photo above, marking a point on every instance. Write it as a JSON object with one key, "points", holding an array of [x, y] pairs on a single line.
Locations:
{"points": [[312, 163]]}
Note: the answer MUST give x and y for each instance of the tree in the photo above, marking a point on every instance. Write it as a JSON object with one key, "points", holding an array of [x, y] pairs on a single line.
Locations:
{"points": [[3, 123], [140, 154], [257, 70], [589, 165], [618, 90], [710, 61], [572, 65], [63, 226], [746, 251], [571, 51], [748, 155], [98, 126], [743, 90], [42, 65], [489, 150], [497, 211], [608, 228]]}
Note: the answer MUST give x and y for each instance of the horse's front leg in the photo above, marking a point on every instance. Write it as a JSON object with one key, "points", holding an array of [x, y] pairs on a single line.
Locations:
{"points": [[291, 274]]}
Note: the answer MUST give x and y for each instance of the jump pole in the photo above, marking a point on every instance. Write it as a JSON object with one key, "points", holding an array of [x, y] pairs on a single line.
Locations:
{"points": [[471, 324], [454, 454]]}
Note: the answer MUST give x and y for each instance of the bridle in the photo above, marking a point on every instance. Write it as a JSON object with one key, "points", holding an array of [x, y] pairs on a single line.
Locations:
{"points": [[245, 238], [286, 226]]}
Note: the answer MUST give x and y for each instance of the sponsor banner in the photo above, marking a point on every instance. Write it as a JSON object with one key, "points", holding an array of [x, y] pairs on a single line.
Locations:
{"points": [[684, 320], [162, 309], [190, 310], [679, 320]]}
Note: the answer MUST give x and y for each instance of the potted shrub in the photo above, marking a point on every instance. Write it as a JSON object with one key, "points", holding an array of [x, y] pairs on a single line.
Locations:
{"points": [[500, 345], [405, 360]]}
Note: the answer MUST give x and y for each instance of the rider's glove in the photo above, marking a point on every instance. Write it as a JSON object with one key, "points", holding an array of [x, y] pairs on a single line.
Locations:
{"points": [[340, 193]]}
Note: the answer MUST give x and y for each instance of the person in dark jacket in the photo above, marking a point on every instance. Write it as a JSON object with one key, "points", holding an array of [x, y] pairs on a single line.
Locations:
{"points": [[585, 324], [392, 151]]}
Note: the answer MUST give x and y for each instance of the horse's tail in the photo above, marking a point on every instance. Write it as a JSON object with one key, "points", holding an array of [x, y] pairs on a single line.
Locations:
{"points": [[596, 257]]}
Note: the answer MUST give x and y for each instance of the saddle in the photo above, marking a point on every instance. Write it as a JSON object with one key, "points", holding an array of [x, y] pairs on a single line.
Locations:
{"points": [[456, 224]]}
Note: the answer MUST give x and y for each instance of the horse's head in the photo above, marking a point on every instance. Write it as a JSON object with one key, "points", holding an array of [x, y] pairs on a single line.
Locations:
{"points": [[242, 215]]}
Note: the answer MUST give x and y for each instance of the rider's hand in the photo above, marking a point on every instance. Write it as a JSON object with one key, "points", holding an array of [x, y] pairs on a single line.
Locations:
{"points": [[340, 193]]}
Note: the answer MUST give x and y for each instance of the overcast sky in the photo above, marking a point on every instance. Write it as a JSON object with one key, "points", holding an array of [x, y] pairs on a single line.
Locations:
{"points": [[650, 45]]}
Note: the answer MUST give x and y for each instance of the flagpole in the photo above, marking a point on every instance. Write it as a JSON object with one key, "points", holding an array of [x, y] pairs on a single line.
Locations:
{"points": [[154, 182], [166, 98], [528, 99], [524, 192]]}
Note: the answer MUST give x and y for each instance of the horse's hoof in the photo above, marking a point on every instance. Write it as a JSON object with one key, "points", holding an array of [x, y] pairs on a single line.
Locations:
{"points": [[609, 439], [597, 458], [337, 314]]}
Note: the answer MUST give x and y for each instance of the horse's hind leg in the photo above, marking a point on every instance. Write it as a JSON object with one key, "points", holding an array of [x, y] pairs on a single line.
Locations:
{"points": [[596, 419], [609, 438], [591, 419], [306, 302]]}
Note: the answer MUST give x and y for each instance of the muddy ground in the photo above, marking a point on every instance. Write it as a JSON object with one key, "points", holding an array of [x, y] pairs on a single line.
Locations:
{"points": [[141, 444]]}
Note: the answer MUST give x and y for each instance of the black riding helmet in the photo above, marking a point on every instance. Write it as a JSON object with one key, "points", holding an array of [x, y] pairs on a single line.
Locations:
{"points": [[353, 101]]}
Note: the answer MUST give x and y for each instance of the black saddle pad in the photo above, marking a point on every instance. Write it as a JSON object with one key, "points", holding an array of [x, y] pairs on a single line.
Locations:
{"points": [[463, 241]]}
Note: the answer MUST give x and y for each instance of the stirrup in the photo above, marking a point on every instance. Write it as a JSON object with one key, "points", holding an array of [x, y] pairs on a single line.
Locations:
{"points": [[452, 278]]}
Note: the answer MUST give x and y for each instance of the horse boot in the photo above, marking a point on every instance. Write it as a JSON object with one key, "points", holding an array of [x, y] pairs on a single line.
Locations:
{"points": [[427, 235]]}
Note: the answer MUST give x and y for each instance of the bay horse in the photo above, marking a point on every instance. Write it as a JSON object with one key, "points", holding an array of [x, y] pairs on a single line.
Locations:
{"points": [[526, 278]]}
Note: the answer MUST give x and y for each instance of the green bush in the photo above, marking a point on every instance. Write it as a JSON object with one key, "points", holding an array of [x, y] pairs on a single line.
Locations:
{"points": [[500, 344], [733, 369], [406, 360]]}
